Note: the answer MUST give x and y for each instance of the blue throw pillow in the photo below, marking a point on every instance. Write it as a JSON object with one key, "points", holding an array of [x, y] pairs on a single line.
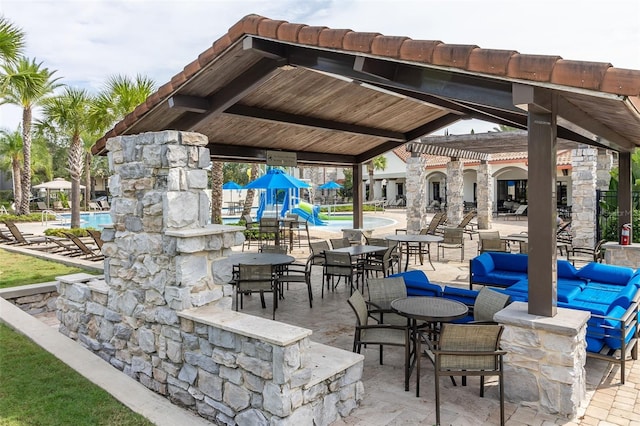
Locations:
{"points": [[625, 296], [604, 273], [566, 269]]}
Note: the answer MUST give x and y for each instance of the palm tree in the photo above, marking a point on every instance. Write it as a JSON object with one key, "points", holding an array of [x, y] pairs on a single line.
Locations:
{"points": [[70, 113], [11, 41], [120, 95], [217, 173], [26, 84], [248, 202], [11, 152], [377, 163]]}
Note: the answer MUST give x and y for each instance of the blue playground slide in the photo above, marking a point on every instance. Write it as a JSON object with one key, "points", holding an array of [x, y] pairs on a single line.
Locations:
{"points": [[305, 211]]}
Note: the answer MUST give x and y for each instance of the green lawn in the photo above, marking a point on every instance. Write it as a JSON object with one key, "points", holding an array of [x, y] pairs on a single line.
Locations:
{"points": [[38, 389], [35, 387], [18, 269]]}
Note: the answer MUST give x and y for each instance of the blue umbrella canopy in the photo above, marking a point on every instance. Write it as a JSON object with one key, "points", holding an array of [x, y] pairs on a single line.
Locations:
{"points": [[276, 179], [231, 185], [330, 185]]}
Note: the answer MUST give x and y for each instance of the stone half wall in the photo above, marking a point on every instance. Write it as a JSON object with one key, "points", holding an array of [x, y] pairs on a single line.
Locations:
{"points": [[229, 367]]}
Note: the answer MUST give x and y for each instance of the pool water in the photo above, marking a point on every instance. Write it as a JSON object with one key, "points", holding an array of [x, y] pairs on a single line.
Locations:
{"points": [[90, 220]]}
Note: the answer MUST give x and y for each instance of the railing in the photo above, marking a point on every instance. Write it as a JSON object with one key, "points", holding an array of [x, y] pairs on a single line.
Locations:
{"points": [[44, 217]]}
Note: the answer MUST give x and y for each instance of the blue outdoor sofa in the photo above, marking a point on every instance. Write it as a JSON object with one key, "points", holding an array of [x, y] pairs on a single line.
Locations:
{"points": [[610, 293]]}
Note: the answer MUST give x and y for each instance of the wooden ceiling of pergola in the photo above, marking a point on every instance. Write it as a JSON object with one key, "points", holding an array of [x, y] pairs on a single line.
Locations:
{"points": [[343, 97]]}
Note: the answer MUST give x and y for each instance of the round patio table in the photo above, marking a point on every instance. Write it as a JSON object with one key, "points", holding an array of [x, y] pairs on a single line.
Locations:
{"points": [[275, 259], [406, 239], [433, 311]]}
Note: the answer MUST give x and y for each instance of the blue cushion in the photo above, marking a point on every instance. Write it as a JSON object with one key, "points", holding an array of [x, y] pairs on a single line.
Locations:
{"points": [[604, 273], [468, 297], [566, 269], [521, 286], [635, 280], [510, 262], [594, 345], [569, 289], [482, 265], [625, 296], [427, 289], [613, 339], [591, 294], [504, 278]]}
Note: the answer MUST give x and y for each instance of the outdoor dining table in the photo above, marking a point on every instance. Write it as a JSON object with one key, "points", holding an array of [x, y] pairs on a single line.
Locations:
{"points": [[361, 250], [432, 311], [524, 238], [406, 239]]}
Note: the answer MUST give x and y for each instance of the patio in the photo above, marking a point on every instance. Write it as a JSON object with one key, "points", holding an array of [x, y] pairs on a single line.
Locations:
{"points": [[385, 401]]}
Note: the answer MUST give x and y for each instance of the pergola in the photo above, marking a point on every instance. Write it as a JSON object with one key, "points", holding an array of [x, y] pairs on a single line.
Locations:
{"points": [[335, 96]]}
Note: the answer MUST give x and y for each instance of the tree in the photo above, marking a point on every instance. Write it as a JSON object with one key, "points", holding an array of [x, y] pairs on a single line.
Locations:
{"points": [[377, 163], [11, 41], [69, 112], [216, 192], [11, 152], [248, 202], [26, 85], [119, 96]]}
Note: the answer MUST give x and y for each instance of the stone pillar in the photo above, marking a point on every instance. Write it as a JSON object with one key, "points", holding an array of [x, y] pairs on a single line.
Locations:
{"points": [[455, 198], [583, 193], [544, 364], [416, 194], [604, 165], [484, 195]]}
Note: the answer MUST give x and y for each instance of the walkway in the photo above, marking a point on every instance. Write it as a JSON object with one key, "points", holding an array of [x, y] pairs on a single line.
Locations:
{"points": [[386, 402]]}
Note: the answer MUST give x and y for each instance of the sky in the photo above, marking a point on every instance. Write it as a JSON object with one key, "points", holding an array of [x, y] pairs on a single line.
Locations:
{"points": [[88, 41]]}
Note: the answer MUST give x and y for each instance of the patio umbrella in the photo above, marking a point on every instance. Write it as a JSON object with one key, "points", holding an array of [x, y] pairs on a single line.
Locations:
{"points": [[276, 179], [330, 185], [57, 184]]}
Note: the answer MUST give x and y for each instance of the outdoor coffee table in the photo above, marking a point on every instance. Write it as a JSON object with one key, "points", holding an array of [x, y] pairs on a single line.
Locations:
{"points": [[429, 310], [420, 239]]}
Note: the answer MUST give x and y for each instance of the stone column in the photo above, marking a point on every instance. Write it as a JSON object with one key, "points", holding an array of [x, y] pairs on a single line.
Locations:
{"points": [[583, 194], [484, 195], [455, 198], [544, 364], [603, 169], [416, 194]]}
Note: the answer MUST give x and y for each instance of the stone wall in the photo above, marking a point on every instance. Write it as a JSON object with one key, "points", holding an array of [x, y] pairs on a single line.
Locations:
{"points": [[583, 194], [485, 196], [40, 300], [455, 193], [416, 194]]}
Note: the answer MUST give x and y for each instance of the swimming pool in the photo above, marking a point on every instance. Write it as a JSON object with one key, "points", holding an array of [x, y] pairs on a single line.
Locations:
{"points": [[89, 220]]}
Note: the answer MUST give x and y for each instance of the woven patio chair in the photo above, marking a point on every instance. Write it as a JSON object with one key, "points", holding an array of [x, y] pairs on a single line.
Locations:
{"points": [[297, 273], [382, 291], [337, 243], [586, 254], [256, 279], [376, 334], [381, 262], [453, 239], [488, 303], [491, 241], [341, 265], [468, 350]]}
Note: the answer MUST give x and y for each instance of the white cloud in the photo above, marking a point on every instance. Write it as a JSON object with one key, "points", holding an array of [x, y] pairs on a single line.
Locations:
{"points": [[88, 41]]}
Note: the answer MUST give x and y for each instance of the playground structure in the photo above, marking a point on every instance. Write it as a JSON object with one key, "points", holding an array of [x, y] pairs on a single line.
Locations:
{"points": [[279, 202]]}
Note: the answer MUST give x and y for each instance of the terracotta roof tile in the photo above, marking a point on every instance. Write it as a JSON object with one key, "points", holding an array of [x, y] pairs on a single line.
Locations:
{"points": [[289, 32], [332, 38], [191, 68], [178, 79], [359, 42], [387, 45], [531, 67], [247, 25], [490, 61], [165, 90], [587, 75], [221, 45], [205, 57], [452, 55], [310, 35], [623, 82], [418, 50], [269, 28]]}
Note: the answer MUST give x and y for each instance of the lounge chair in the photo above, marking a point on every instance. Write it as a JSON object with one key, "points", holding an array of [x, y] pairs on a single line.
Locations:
{"points": [[23, 239], [94, 206], [88, 252], [41, 205], [520, 211], [97, 237], [105, 205]]}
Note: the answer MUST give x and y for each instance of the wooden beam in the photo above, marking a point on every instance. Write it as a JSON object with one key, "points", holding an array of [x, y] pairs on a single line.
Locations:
{"points": [[378, 150], [189, 103], [432, 126], [229, 94], [311, 122], [226, 152], [358, 196]]}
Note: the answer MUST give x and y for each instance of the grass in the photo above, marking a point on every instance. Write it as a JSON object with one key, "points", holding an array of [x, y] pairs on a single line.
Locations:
{"points": [[19, 269], [38, 389]]}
